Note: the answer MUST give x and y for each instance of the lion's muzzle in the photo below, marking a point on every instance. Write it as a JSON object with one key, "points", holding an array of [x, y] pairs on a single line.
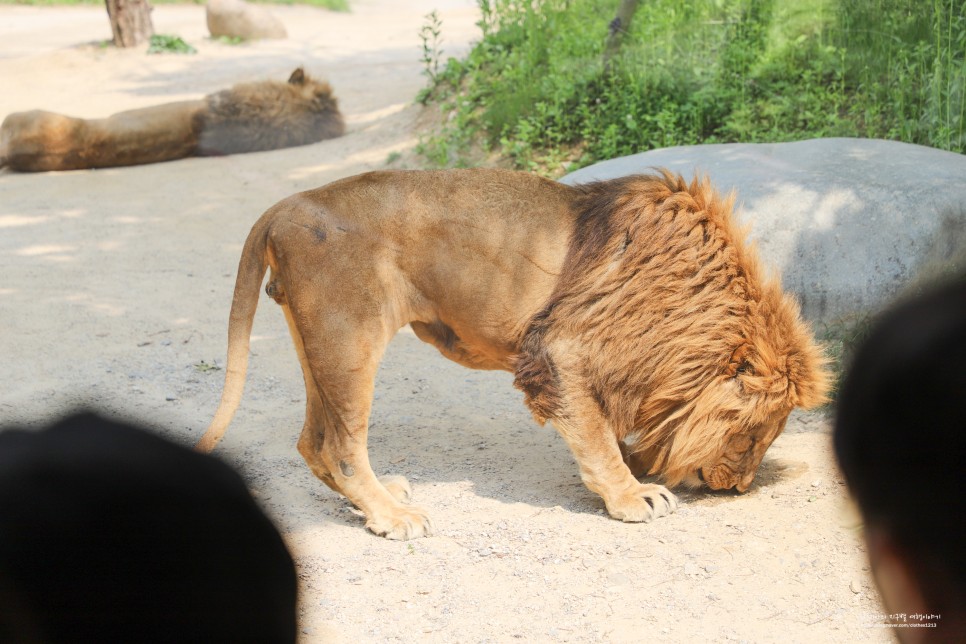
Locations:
{"points": [[722, 477]]}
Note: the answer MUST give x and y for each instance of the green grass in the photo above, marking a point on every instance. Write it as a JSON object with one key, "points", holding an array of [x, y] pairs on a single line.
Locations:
{"points": [[535, 91], [333, 5], [169, 44]]}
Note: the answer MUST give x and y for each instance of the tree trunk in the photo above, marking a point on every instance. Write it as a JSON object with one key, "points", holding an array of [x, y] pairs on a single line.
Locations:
{"points": [[618, 27], [130, 21]]}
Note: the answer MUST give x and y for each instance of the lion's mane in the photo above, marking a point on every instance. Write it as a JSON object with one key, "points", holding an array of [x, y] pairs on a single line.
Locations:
{"points": [[683, 340], [269, 115]]}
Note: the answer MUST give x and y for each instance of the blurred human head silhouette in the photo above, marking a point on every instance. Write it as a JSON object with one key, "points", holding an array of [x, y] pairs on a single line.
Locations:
{"points": [[109, 533], [900, 438]]}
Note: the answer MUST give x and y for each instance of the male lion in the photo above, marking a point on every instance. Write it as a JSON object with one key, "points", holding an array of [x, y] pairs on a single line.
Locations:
{"points": [[249, 117], [631, 312]]}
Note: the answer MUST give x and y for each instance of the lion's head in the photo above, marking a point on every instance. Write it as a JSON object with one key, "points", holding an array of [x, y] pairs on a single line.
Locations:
{"points": [[693, 356], [721, 436], [268, 115]]}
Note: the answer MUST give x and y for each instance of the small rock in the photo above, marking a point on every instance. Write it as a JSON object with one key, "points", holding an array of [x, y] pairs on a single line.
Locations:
{"points": [[816, 483], [618, 579], [855, 586], [691, 568], [239, 19], [170, 397]]}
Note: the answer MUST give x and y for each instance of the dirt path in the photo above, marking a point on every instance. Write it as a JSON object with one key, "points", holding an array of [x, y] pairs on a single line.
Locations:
{"points": [[116, 293]]}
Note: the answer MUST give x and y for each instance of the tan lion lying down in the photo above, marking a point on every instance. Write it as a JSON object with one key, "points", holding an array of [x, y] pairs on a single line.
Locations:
{"points": [[632, 312], [249, 117]]}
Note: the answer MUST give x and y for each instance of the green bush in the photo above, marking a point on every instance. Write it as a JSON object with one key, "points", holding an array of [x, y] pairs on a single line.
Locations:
{"points": [[536, 91]]}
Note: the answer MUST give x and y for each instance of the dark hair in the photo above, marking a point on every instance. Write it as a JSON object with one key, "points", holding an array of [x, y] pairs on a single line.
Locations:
{"points": [[900, 431], [110, 533]]}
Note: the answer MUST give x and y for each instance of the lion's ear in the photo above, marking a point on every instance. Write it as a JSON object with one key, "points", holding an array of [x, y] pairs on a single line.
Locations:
{"points": [[738, 362], [745, 367], [297, 77]]}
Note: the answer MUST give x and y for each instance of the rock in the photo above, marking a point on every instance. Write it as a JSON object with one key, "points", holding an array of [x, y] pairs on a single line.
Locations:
{"points": [[239, 19], [847, 222]]}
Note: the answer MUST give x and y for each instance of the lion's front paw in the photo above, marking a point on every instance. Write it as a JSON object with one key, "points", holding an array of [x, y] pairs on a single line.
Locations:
{"points": [[402, 523], [398, 486], [645, 503]]}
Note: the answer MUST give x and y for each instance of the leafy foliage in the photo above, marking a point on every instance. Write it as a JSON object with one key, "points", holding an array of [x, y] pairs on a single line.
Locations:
{"points": [[534, 89]]}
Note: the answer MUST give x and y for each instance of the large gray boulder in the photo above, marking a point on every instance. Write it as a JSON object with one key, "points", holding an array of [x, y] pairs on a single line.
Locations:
{"points": [[239, 19], [846, 222]]}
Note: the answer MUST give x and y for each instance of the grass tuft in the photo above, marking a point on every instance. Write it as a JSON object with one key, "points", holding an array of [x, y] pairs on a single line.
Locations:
{"points": [[169, 44]]}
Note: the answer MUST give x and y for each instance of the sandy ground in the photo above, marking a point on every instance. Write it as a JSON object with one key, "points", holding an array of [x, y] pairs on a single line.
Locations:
{"points": [[116, 293]]}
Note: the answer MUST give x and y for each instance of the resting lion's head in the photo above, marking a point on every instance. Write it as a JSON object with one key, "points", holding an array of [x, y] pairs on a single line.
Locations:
{"points": [[692, 354]]}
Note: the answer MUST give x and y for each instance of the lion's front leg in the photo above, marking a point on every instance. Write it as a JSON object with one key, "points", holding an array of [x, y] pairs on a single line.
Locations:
{"points": [[602, 466]]}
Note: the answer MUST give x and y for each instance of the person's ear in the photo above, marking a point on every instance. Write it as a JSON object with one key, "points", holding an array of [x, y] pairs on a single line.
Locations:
{"points": [[896, 576]]}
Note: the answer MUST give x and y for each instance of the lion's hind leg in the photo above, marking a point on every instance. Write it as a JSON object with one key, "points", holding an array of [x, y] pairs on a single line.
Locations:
{"points": [[312, 437], [398, 486], [345, 455], [339, 365], [313, 431]]}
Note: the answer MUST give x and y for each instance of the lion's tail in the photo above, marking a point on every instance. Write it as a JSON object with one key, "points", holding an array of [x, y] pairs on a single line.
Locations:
{"points": [[251, 271]]}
